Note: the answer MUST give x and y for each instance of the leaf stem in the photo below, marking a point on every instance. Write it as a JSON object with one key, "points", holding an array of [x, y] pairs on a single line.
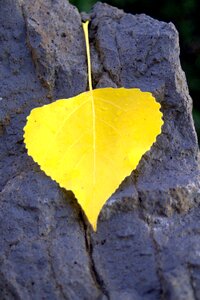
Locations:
{"points": [[85, 29]]}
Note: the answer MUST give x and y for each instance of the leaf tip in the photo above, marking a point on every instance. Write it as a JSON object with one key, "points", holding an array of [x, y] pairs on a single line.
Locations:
{"points": [[94, 226]]}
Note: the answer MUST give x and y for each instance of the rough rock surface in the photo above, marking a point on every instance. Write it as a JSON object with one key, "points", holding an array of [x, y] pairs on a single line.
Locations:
{"points": [[148, 241]]}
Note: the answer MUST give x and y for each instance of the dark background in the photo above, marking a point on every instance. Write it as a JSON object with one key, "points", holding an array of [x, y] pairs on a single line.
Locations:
{"points": [[185, 14]]}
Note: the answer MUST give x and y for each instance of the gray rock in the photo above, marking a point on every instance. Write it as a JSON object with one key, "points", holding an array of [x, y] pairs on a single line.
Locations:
{"points": [[147, 243], [137, 51]]}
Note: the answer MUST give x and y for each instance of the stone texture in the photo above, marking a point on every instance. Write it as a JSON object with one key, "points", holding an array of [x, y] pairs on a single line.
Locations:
{"points": [[141, 52], [148, 241]]}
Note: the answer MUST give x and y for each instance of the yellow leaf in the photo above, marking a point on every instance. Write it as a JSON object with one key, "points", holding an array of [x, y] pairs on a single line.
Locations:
{"points": [[91, 142]]}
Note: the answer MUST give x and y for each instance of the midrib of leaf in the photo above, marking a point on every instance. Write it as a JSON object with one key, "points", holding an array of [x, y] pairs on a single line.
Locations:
{"points": [[87, 44], [94, 137]]}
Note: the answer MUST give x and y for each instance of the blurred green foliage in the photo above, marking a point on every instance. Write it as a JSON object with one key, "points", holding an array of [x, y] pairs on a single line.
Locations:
{"points": [[185, 14]]}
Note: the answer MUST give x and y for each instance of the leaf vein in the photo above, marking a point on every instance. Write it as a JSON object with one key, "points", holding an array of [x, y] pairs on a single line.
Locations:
{"points": [[62, 125], [71, 146], [109, 125], [111, 103]]}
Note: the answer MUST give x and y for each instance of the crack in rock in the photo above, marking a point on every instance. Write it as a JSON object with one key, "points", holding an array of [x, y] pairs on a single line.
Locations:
{"points": [[89, 248], [157, 252]]}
